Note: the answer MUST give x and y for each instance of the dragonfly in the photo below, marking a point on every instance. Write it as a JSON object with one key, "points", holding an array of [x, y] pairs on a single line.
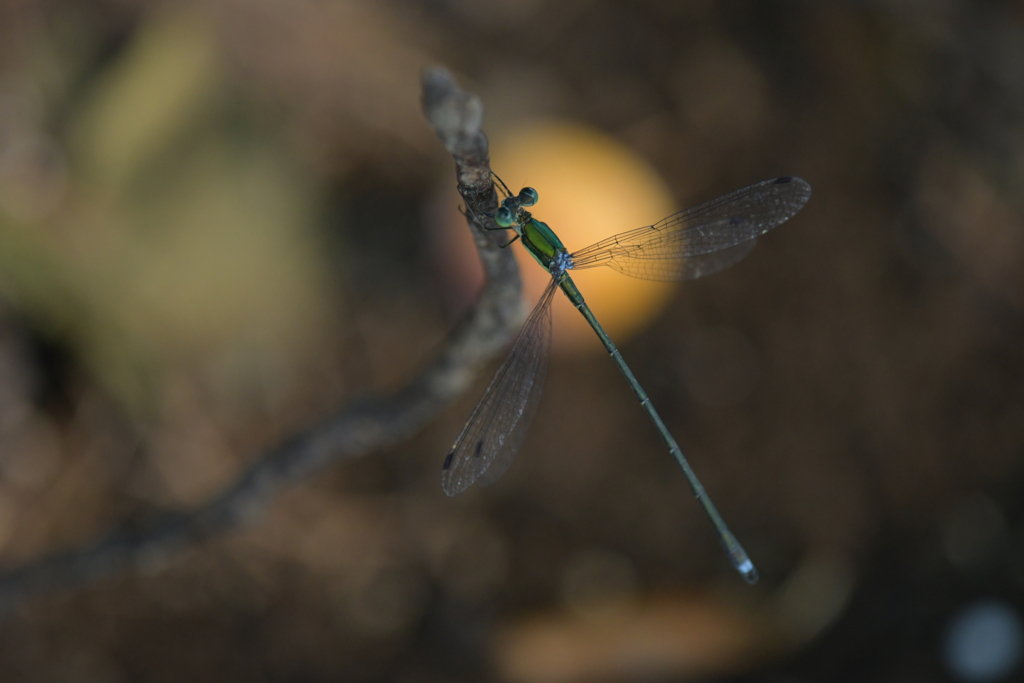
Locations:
{"points": [[690, 244]]}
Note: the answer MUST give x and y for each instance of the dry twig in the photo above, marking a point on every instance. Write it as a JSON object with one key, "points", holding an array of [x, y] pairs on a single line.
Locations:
{"points": [[358, 429]]}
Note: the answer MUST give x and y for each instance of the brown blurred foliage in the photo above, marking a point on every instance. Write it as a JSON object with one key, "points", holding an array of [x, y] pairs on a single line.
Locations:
{"points": [[211, 235]]}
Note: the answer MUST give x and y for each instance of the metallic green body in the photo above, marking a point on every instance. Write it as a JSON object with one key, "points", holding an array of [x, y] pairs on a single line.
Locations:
{"points": [[545, 246], [541, 241]]}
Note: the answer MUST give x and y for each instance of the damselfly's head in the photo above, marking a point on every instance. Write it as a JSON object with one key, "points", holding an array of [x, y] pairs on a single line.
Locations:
{"points": [[513, 208]]}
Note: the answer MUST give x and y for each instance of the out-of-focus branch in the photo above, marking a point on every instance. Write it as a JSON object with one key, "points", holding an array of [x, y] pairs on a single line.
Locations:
{"points": [[358, 429]]}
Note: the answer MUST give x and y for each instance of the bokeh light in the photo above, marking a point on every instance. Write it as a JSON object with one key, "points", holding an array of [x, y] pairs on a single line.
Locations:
{"points": [[984, 642], [221, 222], [590, 187]]}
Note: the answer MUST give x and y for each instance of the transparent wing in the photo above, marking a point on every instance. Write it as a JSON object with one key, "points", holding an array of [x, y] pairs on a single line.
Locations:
{"points": [[496, 429], [701, 240]]}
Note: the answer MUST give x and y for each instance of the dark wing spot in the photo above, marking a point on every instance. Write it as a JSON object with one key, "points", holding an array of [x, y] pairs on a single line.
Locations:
{"points": [[735, 220], [479, 449], [448, 460], [783, 180]]}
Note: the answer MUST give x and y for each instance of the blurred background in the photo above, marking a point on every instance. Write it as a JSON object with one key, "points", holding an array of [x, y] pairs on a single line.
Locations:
{"points": [[221, 221]]}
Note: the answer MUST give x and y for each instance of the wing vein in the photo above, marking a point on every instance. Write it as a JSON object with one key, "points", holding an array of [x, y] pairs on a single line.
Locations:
{"points": [[495, 430], [701, 240]]}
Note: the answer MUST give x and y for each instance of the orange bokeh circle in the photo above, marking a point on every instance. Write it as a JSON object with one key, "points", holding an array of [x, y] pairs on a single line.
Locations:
{"points": [[590, 187]]}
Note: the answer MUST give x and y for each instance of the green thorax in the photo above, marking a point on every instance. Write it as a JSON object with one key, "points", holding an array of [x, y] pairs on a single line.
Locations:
{"points": [[541, 241]]}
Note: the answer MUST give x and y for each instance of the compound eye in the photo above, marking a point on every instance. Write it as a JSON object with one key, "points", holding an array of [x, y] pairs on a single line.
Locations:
{"points": [[504, 217], [527, 196]]}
